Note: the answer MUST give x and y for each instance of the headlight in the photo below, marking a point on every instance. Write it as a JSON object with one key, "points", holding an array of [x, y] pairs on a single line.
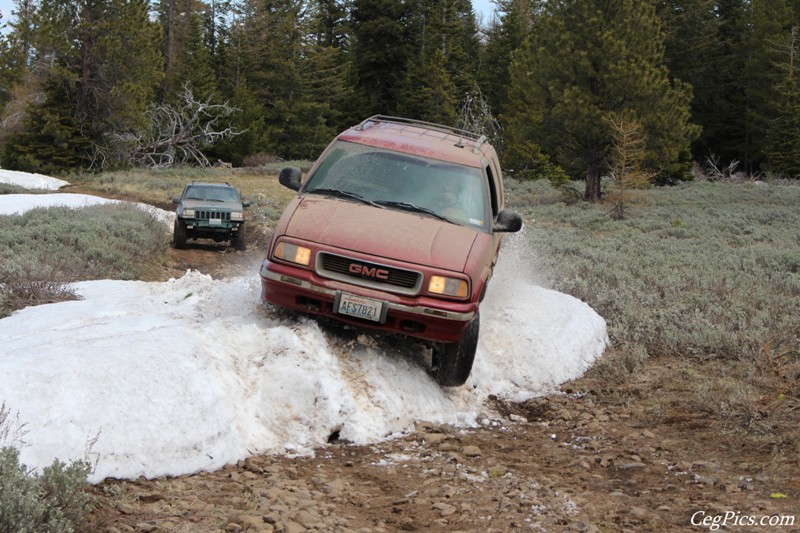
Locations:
{"points": [[237, 215], [188, 213], [448, 286], [293, 253]]}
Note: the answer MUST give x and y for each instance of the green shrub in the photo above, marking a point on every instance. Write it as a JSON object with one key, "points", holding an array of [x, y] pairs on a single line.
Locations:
{"points": [[708, 273], [44, 249], [53, 501], [726, 278]]}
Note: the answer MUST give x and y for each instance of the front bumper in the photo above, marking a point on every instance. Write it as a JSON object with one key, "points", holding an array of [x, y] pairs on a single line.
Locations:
{"points": [[420, 317]]}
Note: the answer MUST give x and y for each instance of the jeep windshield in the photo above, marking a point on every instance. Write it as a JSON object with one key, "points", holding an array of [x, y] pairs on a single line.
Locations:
{"points": [[210, 194], [395, 180]]}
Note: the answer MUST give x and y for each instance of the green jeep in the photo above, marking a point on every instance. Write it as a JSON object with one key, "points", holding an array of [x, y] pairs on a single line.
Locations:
{"points": [[209, 211]]}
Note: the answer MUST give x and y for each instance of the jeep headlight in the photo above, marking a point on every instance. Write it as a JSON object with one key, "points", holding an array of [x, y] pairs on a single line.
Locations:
{"points": [[237, 215], [293, 253], [448, 286], [188, 213]]}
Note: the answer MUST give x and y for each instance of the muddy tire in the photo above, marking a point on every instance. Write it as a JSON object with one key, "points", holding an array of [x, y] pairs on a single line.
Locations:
{"points": [[452, 362], [179, 234], [238, 242]]}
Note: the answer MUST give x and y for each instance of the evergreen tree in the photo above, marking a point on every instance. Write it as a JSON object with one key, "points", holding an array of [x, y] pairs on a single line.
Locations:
{"points": [[430, 92], [380, 51], [769, 23], [51, 139], [196, 66], [694, 55], [100, 72], [783, 141], [508, 32], [586, 60], [175, 18], [272, 61]]}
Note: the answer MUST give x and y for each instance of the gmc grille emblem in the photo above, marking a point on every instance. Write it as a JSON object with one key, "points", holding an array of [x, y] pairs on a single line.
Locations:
{"points": [[368, 272]]}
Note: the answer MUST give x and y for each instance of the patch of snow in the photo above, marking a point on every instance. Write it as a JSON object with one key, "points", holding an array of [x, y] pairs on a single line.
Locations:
{"points": [[154, 379]]}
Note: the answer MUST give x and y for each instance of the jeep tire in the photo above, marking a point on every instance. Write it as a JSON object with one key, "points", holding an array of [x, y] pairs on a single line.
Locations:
{"points": [[237, 241], [179, 234], [452, 362]]}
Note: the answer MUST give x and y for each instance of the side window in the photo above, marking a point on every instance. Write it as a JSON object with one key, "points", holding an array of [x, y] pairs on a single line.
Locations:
{"points": [[492, 190]]}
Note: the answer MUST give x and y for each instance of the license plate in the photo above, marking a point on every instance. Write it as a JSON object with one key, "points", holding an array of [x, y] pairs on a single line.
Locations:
{"points": [[360, 307], [215, 221]]}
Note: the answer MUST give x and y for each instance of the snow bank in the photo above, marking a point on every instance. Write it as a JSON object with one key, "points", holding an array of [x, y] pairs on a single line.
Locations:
{"points": [[194, 373], [31, 181]]}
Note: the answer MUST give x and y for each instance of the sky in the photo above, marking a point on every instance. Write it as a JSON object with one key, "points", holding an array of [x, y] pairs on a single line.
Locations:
{"points": [[169, 378]]}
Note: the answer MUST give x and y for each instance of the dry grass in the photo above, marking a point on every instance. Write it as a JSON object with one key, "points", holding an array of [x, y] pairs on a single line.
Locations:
{"points": [[700, 288]]}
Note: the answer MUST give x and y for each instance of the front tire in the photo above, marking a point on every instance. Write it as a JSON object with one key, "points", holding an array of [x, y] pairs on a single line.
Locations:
{"points": [[179, 234], [452, 362], [238, 241]]}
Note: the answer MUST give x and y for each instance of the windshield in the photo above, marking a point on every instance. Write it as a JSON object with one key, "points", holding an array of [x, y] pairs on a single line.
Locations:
{"points": [[210, 194], [402, 181]]}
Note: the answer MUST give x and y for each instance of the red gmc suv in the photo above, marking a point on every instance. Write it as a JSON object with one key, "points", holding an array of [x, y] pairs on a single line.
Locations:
{"points": [[396, 227]]}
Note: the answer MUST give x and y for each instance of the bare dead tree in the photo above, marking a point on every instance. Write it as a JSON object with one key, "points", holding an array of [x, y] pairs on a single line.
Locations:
{"points": [[475, 115], [178, 135], [627, 158]]}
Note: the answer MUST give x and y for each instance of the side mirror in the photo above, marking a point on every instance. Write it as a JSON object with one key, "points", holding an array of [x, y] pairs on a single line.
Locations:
{"points": [[290, 177], [507, 222], [245, 204], [176, 201]]}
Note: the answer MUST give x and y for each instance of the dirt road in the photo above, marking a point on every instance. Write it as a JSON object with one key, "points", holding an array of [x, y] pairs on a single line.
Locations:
{"points": [[588, 459]]}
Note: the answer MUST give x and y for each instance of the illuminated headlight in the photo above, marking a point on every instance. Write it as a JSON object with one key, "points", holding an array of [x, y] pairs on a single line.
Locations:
{"points": [[448, 286], [237, 215], [293, 253], [188, 213]]}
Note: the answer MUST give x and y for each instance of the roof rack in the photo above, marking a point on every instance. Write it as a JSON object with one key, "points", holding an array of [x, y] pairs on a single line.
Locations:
{"points": [[462, 134]]}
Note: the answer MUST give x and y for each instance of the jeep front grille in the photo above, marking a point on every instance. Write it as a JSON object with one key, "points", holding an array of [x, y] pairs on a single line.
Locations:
{"points": [[368, 274], [207, 215]]}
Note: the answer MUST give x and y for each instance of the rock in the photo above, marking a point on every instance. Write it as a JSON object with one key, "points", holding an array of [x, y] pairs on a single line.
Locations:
{"points": [[125, 508], [605, 461], [629, 466], [445, 509], [291, 526], [306, 519], [449, 446], [472, 451], [151, 497], [433, 439]]}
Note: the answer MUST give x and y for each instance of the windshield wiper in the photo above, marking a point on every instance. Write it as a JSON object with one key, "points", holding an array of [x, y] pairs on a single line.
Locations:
{"points": [[411, 207], [342, 194]]}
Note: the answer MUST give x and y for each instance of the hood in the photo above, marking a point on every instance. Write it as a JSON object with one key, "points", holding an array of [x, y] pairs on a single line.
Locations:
{"points": [[400, 235]]}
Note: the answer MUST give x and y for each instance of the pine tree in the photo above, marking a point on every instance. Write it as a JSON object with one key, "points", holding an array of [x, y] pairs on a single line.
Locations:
{"points": [[695, 55], [430, 92], [505, 36], [51, 139], [99, 70], [628, 155], [783, 141], [588, 59], [380, 51]]}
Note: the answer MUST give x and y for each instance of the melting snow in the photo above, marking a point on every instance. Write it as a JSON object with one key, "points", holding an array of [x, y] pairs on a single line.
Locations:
{"points": [[151, 379]]}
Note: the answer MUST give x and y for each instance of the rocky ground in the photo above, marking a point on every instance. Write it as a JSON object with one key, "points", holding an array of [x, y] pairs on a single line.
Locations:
{"points": [[559, 463], [582, 460]]}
